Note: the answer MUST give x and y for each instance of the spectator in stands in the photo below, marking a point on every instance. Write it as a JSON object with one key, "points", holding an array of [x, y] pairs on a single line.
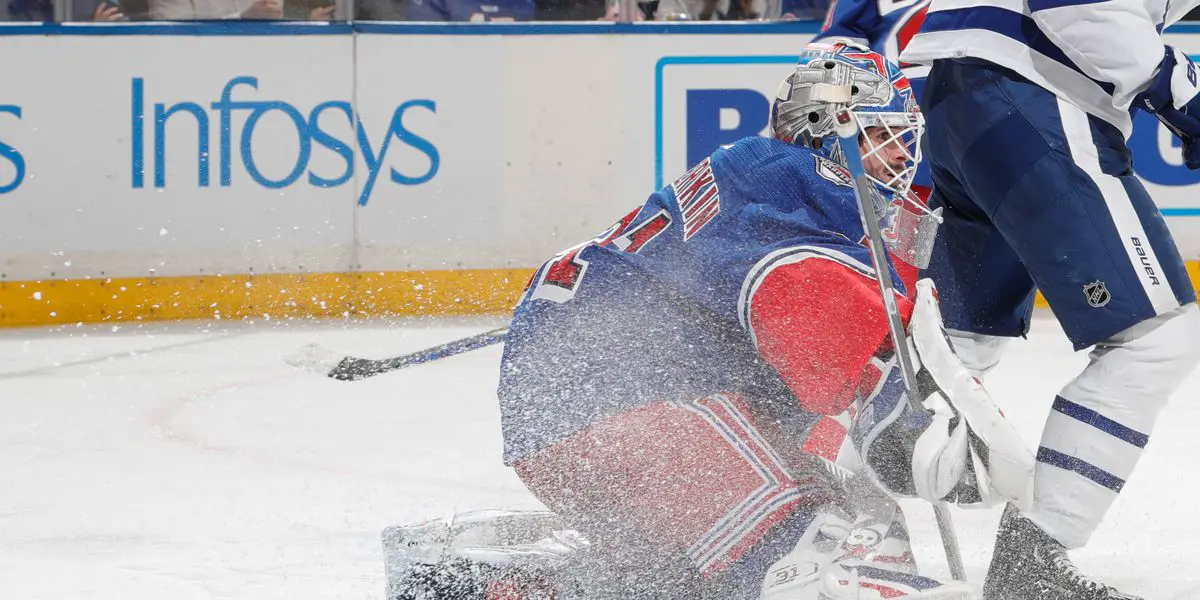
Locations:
{"points": [[574, 10], [469, 10], [194, 10], [705, 10], [309, 10], [691, 10], [744, 10], [804, 9], [27, 10], [43, 11], [379, 10], [101, 11], [740, 10]]}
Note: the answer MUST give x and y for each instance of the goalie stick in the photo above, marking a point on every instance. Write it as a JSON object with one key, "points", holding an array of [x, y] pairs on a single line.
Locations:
{"points": [[864, 192], [325, 361]]}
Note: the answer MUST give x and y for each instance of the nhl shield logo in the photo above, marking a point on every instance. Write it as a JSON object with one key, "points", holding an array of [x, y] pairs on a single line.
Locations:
{"points": [[1097, 294]]}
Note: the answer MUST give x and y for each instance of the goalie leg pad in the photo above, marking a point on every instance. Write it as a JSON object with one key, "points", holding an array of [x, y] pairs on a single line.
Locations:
{"points": [[1007, 464]]}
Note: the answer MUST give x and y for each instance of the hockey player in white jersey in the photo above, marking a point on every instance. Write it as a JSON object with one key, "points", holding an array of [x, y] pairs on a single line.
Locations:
{"points": [[1027, 108]]}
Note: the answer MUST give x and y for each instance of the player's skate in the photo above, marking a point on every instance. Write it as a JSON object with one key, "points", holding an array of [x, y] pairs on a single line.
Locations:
{"points": [[869, 560], [1028, 564]]}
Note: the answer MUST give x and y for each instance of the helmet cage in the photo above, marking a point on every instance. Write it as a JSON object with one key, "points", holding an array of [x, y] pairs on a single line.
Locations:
{"points": [[900, 131]]}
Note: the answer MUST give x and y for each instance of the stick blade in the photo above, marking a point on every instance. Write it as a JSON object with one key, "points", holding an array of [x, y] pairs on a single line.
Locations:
{"points": [[315, 358]]}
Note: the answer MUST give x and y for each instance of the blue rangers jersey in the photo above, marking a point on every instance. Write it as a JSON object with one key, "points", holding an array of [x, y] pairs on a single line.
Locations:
{"points": [[1097, 55], [727, 280], [470, 10]]}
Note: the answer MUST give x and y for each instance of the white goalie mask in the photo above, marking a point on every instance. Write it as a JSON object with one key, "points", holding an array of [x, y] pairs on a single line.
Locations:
{"points": [[890, 125]]}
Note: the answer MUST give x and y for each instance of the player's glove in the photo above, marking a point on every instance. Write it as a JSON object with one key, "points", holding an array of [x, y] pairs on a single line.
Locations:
{"points": [[1174, 97], [960, 448]]}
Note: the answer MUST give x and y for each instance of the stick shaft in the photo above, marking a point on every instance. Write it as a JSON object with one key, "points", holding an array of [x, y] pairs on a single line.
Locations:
{"points": [[353, 369], [864, 192]]}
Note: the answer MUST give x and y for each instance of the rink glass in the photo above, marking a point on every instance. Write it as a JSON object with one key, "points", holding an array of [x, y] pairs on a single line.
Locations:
{"points": [[499, 11], [62, 11]]}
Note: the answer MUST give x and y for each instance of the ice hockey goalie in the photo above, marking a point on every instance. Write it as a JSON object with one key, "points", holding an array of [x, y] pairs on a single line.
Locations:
{"points": [[659, 383]]}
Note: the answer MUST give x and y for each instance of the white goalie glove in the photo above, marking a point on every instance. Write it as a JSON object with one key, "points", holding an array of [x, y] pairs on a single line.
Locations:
{"points": [[961, 449]]}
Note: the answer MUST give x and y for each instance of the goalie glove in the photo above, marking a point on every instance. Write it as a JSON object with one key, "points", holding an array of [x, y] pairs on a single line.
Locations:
{"points": [[960, 448]]}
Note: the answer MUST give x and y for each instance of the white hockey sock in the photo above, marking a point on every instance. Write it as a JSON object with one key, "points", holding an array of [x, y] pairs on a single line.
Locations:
{"points": [[1101, 421]]}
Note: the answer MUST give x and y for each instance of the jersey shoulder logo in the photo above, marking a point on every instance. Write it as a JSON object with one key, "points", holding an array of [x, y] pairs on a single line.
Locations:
{"points": [[834, 172]]}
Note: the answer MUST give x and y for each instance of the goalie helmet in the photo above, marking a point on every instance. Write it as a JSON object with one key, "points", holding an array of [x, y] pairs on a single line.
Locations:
{"points": [[881, 102], [805, 107]]}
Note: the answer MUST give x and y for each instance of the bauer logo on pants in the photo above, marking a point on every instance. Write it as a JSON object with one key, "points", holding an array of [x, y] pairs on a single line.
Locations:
{"points": [[1097, 294]]}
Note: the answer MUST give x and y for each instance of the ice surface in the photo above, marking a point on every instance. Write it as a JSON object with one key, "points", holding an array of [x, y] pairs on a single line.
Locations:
{"points": [[187, 461]]}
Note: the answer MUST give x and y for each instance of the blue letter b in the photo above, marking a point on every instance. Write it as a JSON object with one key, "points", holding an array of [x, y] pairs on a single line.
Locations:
{"points": [[704, 132]]}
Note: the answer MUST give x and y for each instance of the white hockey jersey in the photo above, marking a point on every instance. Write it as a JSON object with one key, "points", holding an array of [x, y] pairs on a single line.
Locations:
{"points": [[1095, 54]]}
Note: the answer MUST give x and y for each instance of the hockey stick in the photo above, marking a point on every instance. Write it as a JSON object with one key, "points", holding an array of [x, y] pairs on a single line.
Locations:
{"points": [[322, 360], [863, 192]]}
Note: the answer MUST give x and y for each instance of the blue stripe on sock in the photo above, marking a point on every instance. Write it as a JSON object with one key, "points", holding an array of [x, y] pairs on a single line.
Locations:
{"points": [[1086, 469], [1101, 422], [1036, 5]]}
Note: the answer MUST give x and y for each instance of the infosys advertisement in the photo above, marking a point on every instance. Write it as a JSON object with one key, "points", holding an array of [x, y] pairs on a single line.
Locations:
{"points": [[189, 155]]}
